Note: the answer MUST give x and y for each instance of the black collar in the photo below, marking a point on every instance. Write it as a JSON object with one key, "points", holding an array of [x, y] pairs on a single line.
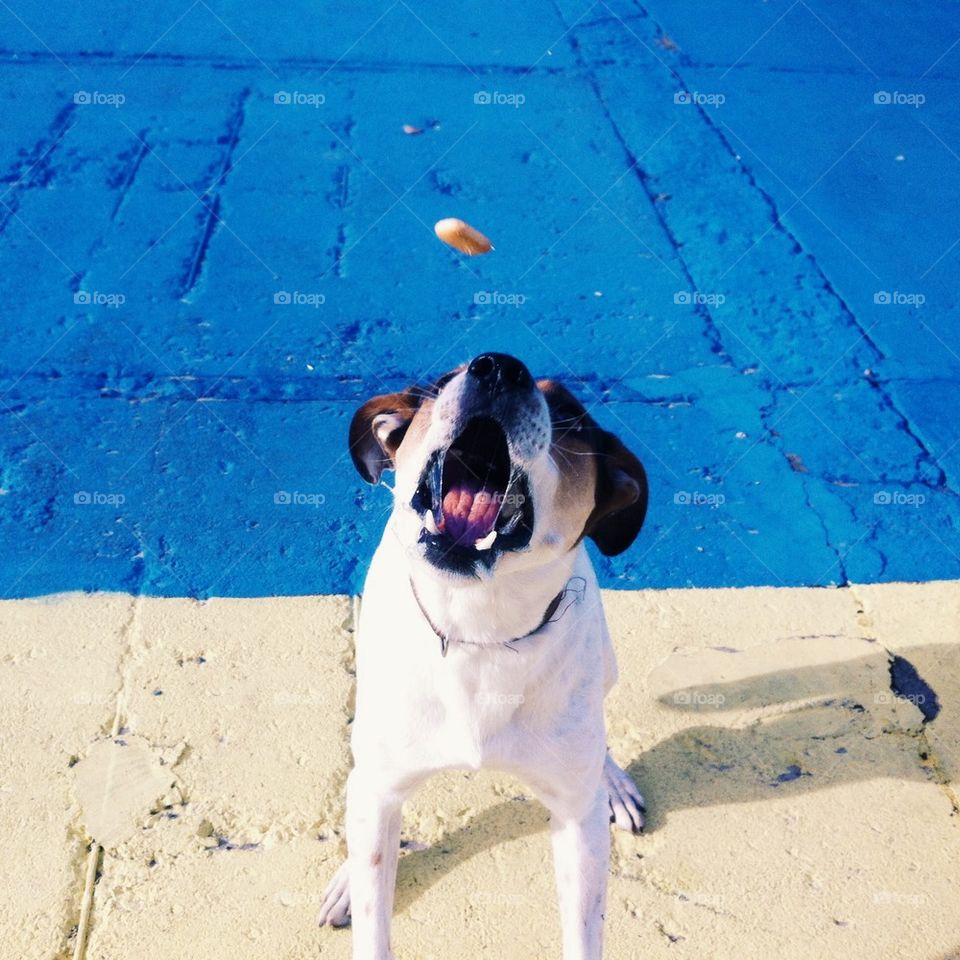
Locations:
{"points": [[574, 588]]}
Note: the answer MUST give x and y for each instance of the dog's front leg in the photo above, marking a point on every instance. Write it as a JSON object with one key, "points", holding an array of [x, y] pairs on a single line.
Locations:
{"points": [[581, 858], [373, 844]]}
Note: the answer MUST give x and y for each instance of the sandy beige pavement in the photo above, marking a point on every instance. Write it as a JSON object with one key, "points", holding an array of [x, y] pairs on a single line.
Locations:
{"points": [[798, 805]]}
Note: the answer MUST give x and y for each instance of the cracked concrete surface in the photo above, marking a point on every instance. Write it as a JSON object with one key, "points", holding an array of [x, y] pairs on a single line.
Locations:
{"points": [[703, 275], [796, 802]]}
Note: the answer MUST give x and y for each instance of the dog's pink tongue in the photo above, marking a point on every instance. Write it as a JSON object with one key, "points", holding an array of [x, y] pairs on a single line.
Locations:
{"points": [[468, 514]]}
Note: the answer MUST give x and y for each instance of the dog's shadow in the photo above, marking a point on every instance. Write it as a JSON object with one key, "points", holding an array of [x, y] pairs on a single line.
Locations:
{"points": [[510, 820], [825, 736]]}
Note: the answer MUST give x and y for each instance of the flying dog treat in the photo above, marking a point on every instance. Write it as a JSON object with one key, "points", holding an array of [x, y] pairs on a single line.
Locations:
{"points": [[462, 236], [411, 130]]}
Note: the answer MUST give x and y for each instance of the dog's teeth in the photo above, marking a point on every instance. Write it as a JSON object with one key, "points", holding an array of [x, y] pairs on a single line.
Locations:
{"points": [[430, 523], [486, 542]]}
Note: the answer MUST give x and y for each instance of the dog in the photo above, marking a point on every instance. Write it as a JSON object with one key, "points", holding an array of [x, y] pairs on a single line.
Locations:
{"points": [[482, 640]]}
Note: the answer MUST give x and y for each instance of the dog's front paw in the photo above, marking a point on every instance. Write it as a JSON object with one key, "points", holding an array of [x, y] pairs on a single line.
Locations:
{"points": [[335, 910], [627, 807]]}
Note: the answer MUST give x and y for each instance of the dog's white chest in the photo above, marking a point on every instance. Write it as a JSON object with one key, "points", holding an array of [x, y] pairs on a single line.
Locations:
{"points": [[464, 710], [507, 706]]}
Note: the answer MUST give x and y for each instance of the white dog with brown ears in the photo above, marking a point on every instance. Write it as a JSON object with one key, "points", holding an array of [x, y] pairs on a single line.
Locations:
{"points": [[482, 640]]}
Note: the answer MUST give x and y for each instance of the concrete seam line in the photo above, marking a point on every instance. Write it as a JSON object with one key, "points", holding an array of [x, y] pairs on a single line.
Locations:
{"points": [[96, 849], [86, 902]]}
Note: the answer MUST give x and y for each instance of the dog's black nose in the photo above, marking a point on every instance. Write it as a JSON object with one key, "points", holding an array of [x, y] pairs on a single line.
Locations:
{"points": [[495, 370]]}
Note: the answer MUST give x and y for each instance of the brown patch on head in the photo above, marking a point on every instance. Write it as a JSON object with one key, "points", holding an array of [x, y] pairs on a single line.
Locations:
{"points": [[603, 486], [376, 859], [377, 430], [573, 455], [380, 426], [416, 431]]}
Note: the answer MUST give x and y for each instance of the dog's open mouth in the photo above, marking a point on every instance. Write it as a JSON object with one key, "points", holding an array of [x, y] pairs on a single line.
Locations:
{"points": [[471, 497]]}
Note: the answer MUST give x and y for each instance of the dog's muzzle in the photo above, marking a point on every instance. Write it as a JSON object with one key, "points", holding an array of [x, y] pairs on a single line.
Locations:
{"points": [[474, 499]]}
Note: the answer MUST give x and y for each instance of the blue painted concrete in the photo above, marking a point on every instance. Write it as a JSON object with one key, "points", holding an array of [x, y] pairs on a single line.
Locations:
{"points": [[734, 255]]}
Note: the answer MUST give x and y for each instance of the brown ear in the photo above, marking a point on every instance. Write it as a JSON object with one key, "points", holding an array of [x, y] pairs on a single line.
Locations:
{"points": [[621, 497], [621, 486], [377, 430]]}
